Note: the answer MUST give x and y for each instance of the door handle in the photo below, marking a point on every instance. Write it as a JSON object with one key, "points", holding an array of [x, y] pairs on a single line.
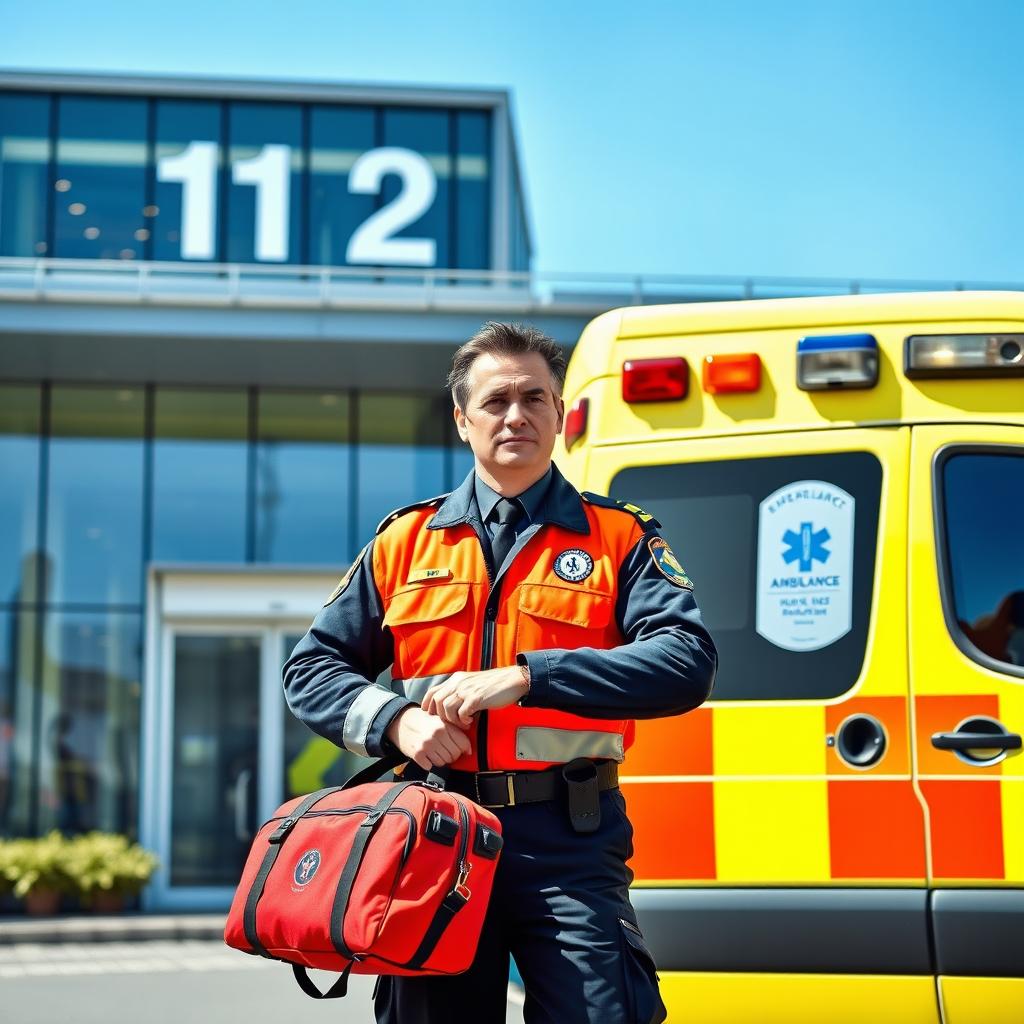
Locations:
{"points": [[976, 740]]}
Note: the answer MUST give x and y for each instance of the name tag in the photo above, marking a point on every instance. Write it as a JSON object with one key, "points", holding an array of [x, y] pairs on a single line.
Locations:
{"points": [[419, 575]]}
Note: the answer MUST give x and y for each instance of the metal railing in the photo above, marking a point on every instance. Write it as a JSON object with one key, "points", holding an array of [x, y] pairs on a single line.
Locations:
{"points": [[317, 287]]}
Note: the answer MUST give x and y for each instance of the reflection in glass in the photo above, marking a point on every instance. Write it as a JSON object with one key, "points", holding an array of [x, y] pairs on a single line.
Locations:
{"points": [[425, 132], [265, 192], [302, 477], [88, 745], [100, 189], [19, 472], [17, 657], [94, 504], [187, 180], [25, 150], [473, 188], [984, 495], [339, 136], [199, 476], [401, 454], [214, 761]]}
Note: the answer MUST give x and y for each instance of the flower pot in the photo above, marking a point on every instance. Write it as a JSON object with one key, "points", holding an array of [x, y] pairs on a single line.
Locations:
{"points": [[42, 902], [106, 901]]}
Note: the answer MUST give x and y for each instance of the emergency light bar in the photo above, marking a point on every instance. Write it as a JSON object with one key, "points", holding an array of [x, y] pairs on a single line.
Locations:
{"points": [[832, 361], [964, 355]]}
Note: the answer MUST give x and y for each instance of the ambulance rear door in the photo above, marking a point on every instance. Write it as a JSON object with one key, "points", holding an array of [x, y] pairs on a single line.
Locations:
{"points": [[966, 617], [780, 845]]}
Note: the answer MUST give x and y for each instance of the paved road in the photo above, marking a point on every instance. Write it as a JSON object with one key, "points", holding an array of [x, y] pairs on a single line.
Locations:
{"points": [[197, 982]]}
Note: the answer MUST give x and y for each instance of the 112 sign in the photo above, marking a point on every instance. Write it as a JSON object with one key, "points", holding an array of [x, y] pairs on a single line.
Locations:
{"points": [[269, 173]]}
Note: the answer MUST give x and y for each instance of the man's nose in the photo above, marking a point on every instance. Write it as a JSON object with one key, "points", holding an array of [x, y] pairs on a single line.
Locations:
{"points": [[515, 415]]}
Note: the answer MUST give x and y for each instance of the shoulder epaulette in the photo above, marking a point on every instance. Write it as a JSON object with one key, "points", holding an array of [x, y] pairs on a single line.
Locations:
{"points": [[399, 512], [645, 519]]}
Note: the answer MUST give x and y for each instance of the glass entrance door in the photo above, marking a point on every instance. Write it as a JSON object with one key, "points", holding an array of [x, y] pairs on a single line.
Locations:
{"points": [[214, 756], [220, 764], [227, 753]]}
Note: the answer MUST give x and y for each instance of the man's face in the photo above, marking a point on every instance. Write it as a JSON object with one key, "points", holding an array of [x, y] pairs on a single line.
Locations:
{"points": [[513, 414]]}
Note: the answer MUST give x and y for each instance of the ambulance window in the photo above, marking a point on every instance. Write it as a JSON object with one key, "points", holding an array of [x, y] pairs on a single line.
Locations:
{"points": [[782, 555], [981, 495]]}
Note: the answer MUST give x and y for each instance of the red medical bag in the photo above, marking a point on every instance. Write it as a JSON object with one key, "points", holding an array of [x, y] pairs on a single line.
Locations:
{"points": [[370, 877]]}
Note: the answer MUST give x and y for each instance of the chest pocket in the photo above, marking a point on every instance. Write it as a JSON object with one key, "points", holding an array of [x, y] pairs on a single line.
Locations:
{"points": [[431, 625], [562, 617]]}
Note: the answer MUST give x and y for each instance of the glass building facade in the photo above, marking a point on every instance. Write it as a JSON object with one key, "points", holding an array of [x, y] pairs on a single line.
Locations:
{"points": [[100, 482], [153, 177], [183, 479]]}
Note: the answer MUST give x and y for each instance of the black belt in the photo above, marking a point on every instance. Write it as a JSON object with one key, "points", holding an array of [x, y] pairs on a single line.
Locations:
{"points": [[507, 789]]}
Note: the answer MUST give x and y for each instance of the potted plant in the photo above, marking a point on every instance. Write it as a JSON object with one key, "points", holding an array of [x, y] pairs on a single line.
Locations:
{"points": [[106, 868], [34, 869]]}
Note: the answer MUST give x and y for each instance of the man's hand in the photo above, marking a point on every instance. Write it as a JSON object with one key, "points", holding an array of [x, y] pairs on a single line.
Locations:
{"points": [[428, 740], [464, 694]]}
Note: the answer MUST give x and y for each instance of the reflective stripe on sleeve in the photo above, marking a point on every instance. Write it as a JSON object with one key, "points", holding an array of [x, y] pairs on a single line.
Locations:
{"points": [[361, 714], [534, 743], [416, 689]]}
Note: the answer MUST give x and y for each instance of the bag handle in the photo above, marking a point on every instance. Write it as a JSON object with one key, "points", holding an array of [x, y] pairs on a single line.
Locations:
{"points": [[436, 777], [336, 991]]}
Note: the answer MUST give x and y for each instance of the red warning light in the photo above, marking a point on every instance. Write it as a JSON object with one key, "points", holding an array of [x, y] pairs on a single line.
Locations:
{"points": [[576, 421], [654, 380]]}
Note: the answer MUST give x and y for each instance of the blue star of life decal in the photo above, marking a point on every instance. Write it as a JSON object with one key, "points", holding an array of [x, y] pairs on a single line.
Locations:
{"points": [[808, 546]]}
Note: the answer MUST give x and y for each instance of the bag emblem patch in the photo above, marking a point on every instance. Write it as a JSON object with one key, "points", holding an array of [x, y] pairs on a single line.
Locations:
{"points": [[573, 565], [307, 866], [667, 563]]}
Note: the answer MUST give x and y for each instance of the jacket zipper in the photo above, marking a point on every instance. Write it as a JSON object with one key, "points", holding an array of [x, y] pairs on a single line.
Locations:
{"points": [[486, 657], [365, 808]]}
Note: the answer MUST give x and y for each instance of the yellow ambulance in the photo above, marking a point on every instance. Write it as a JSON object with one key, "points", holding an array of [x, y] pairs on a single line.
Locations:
{"points": [[838, 834]]}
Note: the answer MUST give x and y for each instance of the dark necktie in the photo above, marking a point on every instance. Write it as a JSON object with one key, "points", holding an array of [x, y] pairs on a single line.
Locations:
{"points": [[506, 513]]}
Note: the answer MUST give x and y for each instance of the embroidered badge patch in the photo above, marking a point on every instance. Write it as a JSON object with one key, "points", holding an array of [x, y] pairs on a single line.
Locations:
{"points": [[573, 565], [306, 867], [667, 564]]}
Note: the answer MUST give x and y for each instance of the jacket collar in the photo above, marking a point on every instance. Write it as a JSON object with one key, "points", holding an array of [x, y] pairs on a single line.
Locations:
{"points": [[562, 506]]}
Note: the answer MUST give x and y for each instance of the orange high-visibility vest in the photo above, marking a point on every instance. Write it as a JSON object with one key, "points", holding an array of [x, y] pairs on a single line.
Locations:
{"points": [[434, 587]]}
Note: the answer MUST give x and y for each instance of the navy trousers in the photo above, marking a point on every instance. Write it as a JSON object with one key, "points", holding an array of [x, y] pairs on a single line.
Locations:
{"points": [[561, 907]]}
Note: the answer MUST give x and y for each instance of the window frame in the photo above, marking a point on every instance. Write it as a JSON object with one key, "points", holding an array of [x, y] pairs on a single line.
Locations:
{"points": [[943, 553]]}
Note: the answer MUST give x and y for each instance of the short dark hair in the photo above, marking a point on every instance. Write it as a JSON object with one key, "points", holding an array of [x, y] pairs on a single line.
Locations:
{"points": [[500, 339]]}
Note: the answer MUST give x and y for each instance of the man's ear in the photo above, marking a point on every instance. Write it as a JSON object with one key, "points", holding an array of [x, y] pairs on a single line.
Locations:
{"points": [[560, 406], [460, 423]]}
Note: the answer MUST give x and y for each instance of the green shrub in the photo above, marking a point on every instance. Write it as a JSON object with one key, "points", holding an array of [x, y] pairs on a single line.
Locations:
{"points": [[28, 864], [83, 864], [102, 861]]}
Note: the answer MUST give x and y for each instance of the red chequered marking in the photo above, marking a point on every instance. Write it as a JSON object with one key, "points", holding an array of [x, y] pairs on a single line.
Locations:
{"points": [[966, 828], [672, 746], [876, 829], [674, 826], [892, 713], [943, 714]]}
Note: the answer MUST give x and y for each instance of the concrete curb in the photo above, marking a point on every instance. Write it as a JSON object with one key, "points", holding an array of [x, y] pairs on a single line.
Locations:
{"points": [[115, 928]]}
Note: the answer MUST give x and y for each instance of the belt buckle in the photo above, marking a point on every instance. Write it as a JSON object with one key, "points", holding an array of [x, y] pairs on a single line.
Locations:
{"points": [[509, 788]]}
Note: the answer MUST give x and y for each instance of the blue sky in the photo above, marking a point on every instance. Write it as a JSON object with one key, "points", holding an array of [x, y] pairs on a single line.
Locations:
{"points": [[869, 139]]}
